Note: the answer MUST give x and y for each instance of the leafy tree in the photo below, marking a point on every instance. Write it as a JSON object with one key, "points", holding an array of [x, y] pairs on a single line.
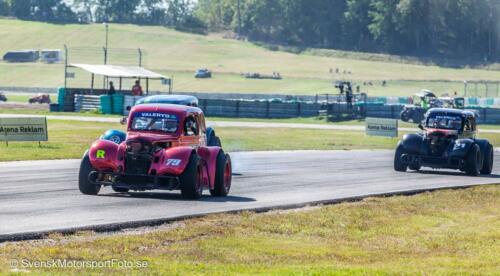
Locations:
{"points": [[21, 8], [4, 8], [356, 34]]}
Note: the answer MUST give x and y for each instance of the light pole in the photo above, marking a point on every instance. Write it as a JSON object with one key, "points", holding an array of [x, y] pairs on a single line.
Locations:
{"points": [[106, 44], [104, 79]]}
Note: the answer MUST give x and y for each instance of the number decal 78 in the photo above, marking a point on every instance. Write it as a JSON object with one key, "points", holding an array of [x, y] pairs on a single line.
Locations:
{"points": [[173, 162]]}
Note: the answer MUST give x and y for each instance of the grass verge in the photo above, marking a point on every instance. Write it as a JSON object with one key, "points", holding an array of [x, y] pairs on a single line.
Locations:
{"points": [[70, 139], [443, 232], [16, 98]]}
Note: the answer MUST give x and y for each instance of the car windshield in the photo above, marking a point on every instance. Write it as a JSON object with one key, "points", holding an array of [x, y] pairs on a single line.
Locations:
{"points": [[154, 121], [444, 121]]}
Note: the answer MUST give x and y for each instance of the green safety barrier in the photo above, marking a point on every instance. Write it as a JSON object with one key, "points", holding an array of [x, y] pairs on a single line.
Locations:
{"points": [[403, 100], [106, 107], [473, 101], [117, 103], [61, 94], [490, 102]]}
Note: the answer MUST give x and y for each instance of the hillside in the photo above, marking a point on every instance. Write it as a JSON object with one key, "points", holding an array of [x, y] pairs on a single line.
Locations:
{"points": [[178, 54]]}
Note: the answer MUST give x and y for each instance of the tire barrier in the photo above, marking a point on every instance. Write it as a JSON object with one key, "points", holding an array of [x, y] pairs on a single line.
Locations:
{"points": [[87, 103]]}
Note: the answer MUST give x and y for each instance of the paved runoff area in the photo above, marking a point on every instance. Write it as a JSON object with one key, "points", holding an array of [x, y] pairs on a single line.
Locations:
{"points": [[40, 196]]}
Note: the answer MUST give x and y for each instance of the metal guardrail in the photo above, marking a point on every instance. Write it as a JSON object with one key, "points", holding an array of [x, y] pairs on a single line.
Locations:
{"points": [[269, 109]]}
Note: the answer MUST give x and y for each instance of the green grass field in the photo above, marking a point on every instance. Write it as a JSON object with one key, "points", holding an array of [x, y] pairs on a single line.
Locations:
{"points": [[70, 139], [445, 232], [18, 98], [178, 54]]}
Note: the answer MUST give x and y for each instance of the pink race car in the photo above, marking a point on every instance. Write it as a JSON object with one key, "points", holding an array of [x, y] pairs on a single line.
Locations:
{"points": [[165, 148], [40, 98]]}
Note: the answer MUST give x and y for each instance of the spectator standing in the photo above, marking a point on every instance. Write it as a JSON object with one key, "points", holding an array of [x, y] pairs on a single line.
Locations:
{"points": [[137, 89]]}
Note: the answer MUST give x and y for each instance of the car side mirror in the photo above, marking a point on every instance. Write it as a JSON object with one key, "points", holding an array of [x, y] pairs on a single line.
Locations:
{"points": [[421, 126], [129, 108]]}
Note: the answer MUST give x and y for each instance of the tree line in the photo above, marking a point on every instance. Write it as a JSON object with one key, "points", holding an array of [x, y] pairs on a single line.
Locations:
{"points": [[460, 29]]}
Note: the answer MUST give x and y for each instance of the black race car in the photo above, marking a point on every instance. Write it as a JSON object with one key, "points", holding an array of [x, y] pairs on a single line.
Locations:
{"points": [[448, 141], [422, 102], [2, 97]]}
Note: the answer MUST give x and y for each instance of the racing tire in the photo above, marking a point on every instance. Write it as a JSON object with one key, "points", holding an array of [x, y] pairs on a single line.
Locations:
{"points": [[86, 187], [414, 167], [223, 175], [215, 142], [488, 160], [191, 180], [473, 161], [398, 164], [404, 116], [120, 190]]}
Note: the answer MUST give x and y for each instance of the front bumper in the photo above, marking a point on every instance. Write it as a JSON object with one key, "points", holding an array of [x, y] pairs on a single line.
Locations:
{"points": [[135, 182], [433, 161]]}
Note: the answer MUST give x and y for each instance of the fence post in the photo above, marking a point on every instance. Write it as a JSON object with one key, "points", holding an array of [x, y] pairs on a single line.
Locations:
{"points": [[299, 109]]}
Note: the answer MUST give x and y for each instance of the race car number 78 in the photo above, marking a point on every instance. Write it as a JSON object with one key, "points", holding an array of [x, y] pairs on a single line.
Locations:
{"points": [[173, 162]]}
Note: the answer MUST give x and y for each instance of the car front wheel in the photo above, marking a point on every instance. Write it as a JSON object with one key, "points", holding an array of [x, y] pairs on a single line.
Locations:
{"points": [[86, 187], [223, 175], [399, 166], [488, 160], [473, 161], [192, 178]]}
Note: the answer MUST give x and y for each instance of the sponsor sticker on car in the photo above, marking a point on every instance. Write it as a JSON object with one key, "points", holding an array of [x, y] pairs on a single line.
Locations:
{"points": [[156, 115]]}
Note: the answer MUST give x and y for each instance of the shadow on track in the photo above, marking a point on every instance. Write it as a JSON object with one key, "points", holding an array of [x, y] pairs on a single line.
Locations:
{"points": [[177, 197], [436, 172]]}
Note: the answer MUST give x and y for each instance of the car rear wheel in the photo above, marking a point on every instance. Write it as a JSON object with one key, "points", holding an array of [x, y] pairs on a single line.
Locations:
{"points": [[473, 161], [488, 160], [223, 175], [192, 178], [214, 140], [399, 166], [404, 116], [86, 187]]}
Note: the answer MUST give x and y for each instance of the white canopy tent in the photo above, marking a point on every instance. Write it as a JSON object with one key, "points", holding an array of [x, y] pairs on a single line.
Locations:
{"points": [[120, 72], [116, 71]]}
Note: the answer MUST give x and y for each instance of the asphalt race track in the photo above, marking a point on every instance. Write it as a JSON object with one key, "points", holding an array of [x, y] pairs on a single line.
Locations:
{"points": [[40, 196]]}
